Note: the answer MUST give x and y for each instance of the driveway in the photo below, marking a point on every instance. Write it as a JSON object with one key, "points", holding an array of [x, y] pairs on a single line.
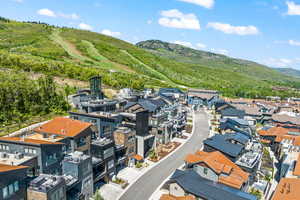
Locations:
{"points": [[143, 188]]}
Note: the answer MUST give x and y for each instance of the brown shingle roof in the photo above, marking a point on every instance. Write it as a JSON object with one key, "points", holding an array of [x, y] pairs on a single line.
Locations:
{"points": [[249, 109], [64, 127], [287, 189], [171, 197], [221, 165], [27, 140], [286, 119], [274, 131], [6, 168]]}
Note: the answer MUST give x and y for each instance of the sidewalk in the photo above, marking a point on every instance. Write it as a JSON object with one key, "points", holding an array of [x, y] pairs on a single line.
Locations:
{"points": [[111, 192], [274, 181]]}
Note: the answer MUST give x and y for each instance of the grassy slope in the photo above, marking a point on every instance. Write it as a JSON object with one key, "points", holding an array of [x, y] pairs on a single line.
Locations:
{"points": [[79, 54], [289, 71]]}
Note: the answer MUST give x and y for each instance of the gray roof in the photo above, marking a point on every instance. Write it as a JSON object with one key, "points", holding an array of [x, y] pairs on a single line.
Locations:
{"points": [[221, 143], [240, 122], [226, 126], [239, 137], [233, 112], [193, 183], [150, 104]]}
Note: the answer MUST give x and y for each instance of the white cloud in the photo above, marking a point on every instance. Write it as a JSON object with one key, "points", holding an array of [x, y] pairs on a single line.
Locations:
{"points": [[281, 62], [110, 33], [46, 12], [190, 45], [203, 3], [50, 13], [201, 46], [149, 22], [176, 19], [85, 26], [229, 29], [184, 43], [220, 51], [293, 8], [294, 43]]}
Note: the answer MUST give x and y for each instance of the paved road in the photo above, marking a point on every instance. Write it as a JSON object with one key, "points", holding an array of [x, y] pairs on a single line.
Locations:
{"points": [[143, 188]]}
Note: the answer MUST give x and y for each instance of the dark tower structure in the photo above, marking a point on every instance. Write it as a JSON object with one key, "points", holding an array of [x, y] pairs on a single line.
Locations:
{"points": [[95, 86], [142, 123]]}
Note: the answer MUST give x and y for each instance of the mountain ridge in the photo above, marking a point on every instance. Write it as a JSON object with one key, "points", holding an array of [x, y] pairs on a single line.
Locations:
{"points": [[79, 54]]}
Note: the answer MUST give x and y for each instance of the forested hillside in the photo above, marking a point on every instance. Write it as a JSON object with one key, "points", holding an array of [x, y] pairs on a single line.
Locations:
{"points": [[22, 98], [289, 72], [78, 54]]}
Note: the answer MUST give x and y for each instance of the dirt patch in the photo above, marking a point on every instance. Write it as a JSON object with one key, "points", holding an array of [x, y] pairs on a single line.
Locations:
{"points": [[166, 149]]}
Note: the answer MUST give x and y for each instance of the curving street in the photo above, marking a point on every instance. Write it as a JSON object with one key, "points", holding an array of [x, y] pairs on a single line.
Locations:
{"points": [[143, 188]]}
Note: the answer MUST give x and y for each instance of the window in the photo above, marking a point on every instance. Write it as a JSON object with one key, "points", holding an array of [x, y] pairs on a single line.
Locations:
{"points": [[5, 192], [81, 142], [4, 147], [11, 189], [30, 151], [108, 152], [110, 164], [16, 185], [205, 171]]}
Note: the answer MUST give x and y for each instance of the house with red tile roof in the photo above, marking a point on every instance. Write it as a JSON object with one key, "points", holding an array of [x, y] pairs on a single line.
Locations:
{"points": [[281, 139], [75, 134], [287, 189], [217, 167], [40, 156], [171, 197], [12, 182]]}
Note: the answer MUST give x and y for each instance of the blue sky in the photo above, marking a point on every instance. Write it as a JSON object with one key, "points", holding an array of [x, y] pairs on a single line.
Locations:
{"points": [[266, 31]]}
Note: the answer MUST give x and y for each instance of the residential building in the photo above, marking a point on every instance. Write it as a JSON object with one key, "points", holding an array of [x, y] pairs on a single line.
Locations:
{"points": [[288, 165], [125, 142], [232, 112], [287, 189], [189, 182], [252, 112], [140, 122], [47, 187], [78, 170], [222, 144], [103, 158], [172, 94], [171, 197], [201, 97], [105, 122], [13, 182], [153, 105], [76, 135], [296, 171], [284, 119], [218, 168], [250, 160], [39, 155]]}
